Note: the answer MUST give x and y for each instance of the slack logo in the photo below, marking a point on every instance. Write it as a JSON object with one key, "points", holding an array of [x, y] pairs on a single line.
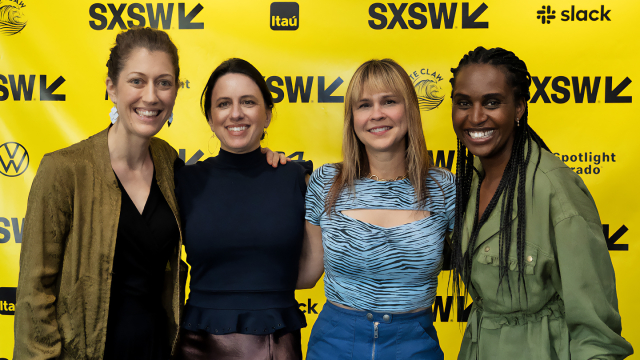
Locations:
{"points": [[547, 14], [140, 15], [284, 16]]}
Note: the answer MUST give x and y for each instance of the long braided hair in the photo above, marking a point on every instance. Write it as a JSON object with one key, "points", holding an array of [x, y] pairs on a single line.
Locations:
{"points": [[512, 185]]}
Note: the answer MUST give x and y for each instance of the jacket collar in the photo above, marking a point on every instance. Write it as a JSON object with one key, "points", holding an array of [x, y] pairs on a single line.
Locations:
{"points": [[492, 226]]}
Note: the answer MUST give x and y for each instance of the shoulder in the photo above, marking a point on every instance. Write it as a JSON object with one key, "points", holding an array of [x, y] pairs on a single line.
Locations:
{"points": [[323, 176], [74, 156], [441, 182], [566, 189], [163, 148]]}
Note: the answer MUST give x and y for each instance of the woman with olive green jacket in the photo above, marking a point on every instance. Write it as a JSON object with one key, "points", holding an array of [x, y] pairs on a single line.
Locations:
{"points": [[567, 307], [68, 249]]}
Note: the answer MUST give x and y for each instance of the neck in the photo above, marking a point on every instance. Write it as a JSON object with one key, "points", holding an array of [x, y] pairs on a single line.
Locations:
{"points": [[494, 166], [387, 165], [126, 149]]}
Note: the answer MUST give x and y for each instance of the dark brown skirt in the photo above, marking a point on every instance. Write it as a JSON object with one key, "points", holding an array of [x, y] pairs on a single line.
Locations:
{"points": [[204, 346]]}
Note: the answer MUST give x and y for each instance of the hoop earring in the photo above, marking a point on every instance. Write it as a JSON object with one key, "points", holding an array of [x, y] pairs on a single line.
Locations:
{"points": [[209, 143], [113, 115]]}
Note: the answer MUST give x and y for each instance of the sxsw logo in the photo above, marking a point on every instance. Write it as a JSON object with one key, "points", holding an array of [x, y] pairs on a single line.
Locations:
{"points": [[546, 14], [5, 230], [585, 88], [21, 87], [300, 89], [417, 16], [152, 15], [14, 159], [7, 300], [284, 16]]}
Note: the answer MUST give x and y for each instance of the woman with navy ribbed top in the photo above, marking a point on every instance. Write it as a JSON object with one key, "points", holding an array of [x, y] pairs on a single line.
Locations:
{"points": [[378, 219], [243, 229]]}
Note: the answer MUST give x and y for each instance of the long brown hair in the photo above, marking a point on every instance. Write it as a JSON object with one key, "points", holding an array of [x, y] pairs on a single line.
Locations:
{"points": [[381, 75]]}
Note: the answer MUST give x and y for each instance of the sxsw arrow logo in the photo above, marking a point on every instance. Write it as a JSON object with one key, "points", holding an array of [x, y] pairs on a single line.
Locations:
{"points": [[585, 88], [20, 87], [611, 241], [419, 15]]}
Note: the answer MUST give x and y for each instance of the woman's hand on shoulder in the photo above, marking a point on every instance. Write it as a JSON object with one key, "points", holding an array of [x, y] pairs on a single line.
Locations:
{"points": [[274, 157]]}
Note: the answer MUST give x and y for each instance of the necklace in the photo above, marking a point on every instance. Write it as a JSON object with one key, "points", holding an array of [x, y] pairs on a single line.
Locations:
{"points": [[376, 178]]}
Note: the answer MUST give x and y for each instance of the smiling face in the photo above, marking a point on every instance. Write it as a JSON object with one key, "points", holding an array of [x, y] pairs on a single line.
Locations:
{"points": [[485, 111], [145, 93], [238, 113], [379, 121]]}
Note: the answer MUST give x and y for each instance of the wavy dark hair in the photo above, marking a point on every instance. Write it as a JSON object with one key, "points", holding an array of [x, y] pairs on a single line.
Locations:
{"points": [[512, 185]]}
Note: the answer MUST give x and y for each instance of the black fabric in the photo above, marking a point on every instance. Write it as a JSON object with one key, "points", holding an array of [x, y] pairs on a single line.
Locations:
{"points": [[137, 327], [243, 227]]}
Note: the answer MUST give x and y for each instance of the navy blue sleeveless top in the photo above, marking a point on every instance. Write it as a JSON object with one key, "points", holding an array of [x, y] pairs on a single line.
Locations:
{"points": [[243, 228]]}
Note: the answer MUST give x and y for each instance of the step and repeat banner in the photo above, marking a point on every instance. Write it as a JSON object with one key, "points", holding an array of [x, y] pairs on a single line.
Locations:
{"points": [[583, 57]]}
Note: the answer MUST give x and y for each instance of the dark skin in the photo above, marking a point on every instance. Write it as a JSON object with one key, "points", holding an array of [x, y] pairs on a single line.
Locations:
{"points": [[484, 117]]}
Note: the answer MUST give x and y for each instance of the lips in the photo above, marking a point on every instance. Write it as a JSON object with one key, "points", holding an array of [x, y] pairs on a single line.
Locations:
{"points": [[480, 134], [148, 113], [379, 129]]}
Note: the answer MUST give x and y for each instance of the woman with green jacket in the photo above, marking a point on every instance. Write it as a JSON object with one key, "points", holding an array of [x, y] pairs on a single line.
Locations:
{"points": [[528, 242]]}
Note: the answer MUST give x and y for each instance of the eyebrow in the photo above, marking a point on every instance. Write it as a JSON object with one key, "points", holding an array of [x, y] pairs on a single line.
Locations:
{"points": [[143, 74], [485, 96], [385, 96]]}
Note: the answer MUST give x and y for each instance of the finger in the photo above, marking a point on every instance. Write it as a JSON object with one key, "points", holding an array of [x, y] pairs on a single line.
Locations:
{"points": [[275, 158], [284, 159]]}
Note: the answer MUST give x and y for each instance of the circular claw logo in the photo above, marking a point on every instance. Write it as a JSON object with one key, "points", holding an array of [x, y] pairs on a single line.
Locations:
{"points": [[428, 89], [12, 17]]}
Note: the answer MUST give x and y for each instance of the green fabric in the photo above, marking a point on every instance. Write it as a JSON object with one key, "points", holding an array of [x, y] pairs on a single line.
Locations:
{"points": [[67, 252], [570, 310]]}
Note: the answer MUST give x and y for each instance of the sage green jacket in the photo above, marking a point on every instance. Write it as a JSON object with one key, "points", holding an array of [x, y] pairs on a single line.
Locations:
{"points": [[570, 310], [67, 252]]}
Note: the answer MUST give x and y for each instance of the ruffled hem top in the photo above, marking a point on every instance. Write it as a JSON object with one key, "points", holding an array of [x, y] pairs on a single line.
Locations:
{"points": [[243, 229]]}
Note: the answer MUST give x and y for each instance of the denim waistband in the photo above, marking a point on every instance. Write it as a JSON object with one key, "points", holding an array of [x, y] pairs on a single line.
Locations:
{"points": [[378, 316]]}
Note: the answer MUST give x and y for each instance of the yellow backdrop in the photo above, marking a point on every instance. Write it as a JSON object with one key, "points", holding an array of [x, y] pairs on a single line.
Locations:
{"points": [[583, 56]]}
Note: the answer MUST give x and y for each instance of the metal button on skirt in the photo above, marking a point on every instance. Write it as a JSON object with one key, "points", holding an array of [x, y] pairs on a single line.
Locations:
{"points": [[201, 345]]}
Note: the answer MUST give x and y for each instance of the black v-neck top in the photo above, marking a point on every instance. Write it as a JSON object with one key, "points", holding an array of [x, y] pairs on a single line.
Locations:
{"points": [[243, 227], [137, 327]]}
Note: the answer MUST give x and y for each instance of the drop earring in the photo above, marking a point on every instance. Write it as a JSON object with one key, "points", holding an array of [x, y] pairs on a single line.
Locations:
{"points": [[113, 115], [517, 122], [170, 120]]}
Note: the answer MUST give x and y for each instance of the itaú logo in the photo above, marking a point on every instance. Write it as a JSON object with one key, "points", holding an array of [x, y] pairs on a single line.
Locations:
{"points": [[14, 159]]}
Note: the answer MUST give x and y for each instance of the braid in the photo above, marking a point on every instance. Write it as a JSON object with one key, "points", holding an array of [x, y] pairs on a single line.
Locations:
{"points": [[511, 186]]}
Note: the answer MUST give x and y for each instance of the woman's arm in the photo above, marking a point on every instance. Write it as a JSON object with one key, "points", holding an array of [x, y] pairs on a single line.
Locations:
{"points": [[311, 258], [47, 224]]}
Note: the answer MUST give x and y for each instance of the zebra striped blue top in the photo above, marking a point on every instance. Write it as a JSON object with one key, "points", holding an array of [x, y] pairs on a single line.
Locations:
{"points": [[369, 267]]}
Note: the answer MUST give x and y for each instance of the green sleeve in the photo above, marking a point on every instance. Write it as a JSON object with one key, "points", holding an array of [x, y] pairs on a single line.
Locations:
{"points": [[588, 288], [47, 224]]}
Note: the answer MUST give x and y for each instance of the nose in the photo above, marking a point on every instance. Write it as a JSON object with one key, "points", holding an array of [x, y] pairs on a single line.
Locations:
{"points": [[150, 95], [477, 115], [236, 112], [376, 112]]}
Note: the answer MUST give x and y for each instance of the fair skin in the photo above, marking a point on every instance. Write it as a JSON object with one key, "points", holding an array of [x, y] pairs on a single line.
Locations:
{"points": [[238, 113], [144, 96], [380, 123], [484, 117]]}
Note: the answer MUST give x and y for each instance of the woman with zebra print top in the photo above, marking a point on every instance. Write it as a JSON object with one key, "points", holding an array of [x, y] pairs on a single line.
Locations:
{"points": [[378, 220]]}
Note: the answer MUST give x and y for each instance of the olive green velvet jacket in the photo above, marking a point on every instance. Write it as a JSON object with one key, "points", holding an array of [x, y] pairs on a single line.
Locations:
{"points": [[570, 310], [67, 252]]}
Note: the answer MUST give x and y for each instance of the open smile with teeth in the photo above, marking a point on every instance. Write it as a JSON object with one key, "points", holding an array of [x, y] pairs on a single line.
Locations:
{"points": [[480, 134], [380, 129], [143, 112], [238, 128]]}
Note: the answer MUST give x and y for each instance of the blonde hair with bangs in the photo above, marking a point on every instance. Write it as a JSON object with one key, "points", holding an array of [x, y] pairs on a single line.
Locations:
{"points": [[381, 75]]}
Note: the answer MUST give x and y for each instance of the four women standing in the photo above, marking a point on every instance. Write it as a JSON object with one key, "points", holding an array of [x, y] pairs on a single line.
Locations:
{"points": [[537, 267]]}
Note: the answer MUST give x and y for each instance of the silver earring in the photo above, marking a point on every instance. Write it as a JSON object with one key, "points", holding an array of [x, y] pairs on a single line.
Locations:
{"points": [[170, 120], [113, 115]]}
